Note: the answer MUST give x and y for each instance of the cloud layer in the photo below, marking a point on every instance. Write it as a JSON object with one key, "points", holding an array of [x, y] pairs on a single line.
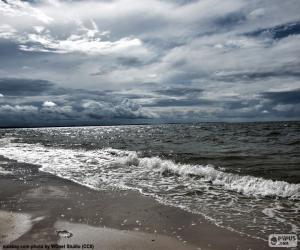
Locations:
{"points": [[44, 104], [94, 62]]}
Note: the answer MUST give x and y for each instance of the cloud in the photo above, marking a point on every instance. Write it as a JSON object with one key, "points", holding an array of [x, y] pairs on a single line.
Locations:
{"points": [[15, 8], [24, 87], [283, 107], [186, 59], [257, 13], [279, 31], [178, 103], [126, 109], [259, 75], [283, 97], [77, 43], [180, 91], [27, 103], [49, 104], [18, 109], [86, 41], [6, 31]]}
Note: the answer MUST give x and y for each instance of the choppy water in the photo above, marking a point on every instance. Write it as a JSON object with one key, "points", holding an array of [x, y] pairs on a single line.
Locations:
{"points": [[244, 177]]}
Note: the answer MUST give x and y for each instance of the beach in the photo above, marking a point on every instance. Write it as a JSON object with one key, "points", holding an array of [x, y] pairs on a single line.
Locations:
{"points": [[149, 125], [40, 210]]}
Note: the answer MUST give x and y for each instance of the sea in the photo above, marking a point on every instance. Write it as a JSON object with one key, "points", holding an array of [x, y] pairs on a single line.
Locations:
{"points": [[241, 176]]}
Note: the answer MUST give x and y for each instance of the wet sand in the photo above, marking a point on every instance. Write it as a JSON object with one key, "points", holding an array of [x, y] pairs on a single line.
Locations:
{"points": [[41, 209]]}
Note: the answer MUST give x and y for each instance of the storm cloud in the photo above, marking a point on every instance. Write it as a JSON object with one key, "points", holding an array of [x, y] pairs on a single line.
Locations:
{"points": [[67, 62], [41, 103], [284, 97], [24, 87]]}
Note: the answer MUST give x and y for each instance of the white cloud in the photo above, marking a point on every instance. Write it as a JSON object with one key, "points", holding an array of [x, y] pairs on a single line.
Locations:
{"points": [[257, 13], [84, 40], [82, 44], [18, 108], [15, 8], [49, 104], [1, 95], [6, 31], [39, 29]]}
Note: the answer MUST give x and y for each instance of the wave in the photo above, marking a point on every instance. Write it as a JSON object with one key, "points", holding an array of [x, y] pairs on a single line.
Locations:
{"points": [[247, 185], [5, 172], [120, 167]]}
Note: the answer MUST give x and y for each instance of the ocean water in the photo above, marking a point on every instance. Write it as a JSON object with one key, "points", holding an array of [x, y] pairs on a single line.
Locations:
{"points": [[242, 176]]}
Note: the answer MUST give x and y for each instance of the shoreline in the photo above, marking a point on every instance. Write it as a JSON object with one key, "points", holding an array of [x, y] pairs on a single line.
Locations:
{"points": [[50, 204]]}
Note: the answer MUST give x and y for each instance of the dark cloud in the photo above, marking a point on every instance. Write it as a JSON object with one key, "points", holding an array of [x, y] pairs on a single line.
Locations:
{"points": [[230, 20], [283, 97], [180, 91], [27, 102], [178, 103], [183, 78], [254, 76], [163, 44], [126, 109], [24, 87], [188, 59], [119, 63], [130, 61], [7, 48], [132, 96], [279, 31], [240, 104]]}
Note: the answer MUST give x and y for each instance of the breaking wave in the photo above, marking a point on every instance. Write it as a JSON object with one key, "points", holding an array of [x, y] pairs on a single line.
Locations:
{"points": [[120, 168]]}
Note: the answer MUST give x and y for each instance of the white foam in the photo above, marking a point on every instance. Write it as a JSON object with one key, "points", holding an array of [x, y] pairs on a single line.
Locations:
{"points": [[5, 172], [120, 168], [247, 185]]}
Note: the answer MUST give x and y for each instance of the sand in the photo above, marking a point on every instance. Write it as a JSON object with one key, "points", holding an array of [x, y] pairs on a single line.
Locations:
{"points": [[12, 226], [107, 238]]}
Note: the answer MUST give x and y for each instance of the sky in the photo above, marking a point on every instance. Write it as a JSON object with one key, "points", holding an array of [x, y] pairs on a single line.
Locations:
{"points": [[73, 62]]}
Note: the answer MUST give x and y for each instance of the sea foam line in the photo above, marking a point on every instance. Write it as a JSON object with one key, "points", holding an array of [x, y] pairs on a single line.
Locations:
{"points": [[68, 163]]}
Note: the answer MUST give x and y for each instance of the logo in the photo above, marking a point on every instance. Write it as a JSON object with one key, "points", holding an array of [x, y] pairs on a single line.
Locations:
{"points": [[283, 240]]}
